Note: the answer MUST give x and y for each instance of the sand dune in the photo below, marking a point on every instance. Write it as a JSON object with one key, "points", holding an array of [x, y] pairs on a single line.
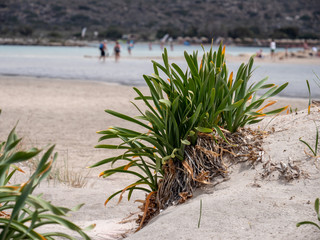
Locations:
{"points": [[68, 113]]}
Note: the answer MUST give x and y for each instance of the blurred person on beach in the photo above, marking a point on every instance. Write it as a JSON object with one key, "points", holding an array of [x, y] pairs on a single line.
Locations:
{"points": [[286, 55], [259, 53], [117, 49], [171, 43], [315, 51], [103, 49], [161, 45], [305, 46], [150, 46], [272, 48], [130, 46], [163, 40]]}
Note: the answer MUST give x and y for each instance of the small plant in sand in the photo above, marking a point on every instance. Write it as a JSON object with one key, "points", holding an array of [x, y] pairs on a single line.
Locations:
{"points": [[309, 103], [315, 149], [21, 213], [182, 106], [317, 81], [316, 207]]}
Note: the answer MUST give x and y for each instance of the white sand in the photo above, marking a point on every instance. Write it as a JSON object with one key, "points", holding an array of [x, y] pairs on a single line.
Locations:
{"points": [[69, 113], [241, 209]]}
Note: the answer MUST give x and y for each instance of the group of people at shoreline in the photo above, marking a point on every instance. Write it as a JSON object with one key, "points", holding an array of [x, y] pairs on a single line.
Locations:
{"points": [[273, 47], [104, 50], [117, 49], [312, 51]]}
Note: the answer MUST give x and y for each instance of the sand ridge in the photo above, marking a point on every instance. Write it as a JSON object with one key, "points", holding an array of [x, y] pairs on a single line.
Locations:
{"points": [[68, 113]]}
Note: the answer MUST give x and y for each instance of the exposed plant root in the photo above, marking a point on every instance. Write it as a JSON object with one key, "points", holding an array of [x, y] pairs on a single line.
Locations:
{"points": [[208, 159], [150, 209]]}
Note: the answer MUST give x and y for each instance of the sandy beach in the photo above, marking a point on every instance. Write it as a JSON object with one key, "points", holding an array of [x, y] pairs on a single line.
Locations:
{"points": [[68, 114]]}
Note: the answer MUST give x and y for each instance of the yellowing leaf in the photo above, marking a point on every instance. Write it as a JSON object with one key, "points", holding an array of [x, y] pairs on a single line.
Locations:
{"points": [[267, 105], [105, 203], [262, 115], [285, 108], [20, 170], [47, 168], [129, 164], [126, 188], [230, 79], [17, 168], [23, 185]]}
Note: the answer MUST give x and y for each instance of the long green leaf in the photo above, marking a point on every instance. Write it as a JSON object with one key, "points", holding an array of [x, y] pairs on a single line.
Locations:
{"points": [[308, 222], [127, 118]]}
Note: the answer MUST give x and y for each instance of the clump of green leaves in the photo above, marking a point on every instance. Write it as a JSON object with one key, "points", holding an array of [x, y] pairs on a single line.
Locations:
{"points": [[235, 100], [316, 208], [181, 104], [21, 213]]}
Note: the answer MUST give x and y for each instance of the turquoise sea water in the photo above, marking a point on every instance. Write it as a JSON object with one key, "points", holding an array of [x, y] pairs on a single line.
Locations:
{"points": [[82, 63], [139, 50]]}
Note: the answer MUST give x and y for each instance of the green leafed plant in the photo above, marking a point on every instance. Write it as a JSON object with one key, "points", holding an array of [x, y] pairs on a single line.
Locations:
{"points": [[317, 81], [200, 213], [309, 103], [316, 207], [235, 101], [21, 213], [204, 98], [315, 150]]}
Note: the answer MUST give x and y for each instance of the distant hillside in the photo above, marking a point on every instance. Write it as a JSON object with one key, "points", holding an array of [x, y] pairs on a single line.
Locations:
{"points": [[150, 19]]}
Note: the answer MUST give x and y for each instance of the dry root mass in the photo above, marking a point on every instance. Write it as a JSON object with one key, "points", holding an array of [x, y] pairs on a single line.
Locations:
{"points": [[210, 158]]}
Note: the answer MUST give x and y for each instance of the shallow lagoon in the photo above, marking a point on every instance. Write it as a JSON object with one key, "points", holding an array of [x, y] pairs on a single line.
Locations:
{"points": [[82, 63]]}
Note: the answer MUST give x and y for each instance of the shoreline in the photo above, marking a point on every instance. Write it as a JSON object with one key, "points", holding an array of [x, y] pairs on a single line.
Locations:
{"points": [[247, 42], [300, 101], [129, 71]]}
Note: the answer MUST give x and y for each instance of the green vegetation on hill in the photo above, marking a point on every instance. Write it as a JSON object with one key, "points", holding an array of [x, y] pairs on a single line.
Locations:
{"points": [[150, 18]]}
